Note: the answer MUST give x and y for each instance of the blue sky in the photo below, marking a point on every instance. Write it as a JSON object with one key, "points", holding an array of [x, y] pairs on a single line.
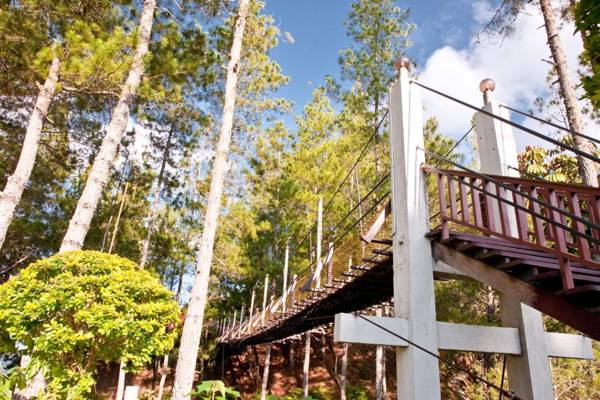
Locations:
{"points": [[319, 35], [443, 48]]}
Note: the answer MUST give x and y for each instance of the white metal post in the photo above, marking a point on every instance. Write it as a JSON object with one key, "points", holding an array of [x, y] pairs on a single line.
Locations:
{"points": [[285, 276], [529, 374], [264, 304], [319, 240], [251, 320], [417, 372]]}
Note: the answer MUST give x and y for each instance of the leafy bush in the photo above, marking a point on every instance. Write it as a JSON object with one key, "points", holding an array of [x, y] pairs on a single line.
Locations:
{"points": [[358, 392], [72, 310], [209, 390], [297, 394]]}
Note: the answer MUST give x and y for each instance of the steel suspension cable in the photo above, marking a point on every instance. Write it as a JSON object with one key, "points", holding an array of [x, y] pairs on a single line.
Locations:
{"points": [[525, 172], [450, 363], [339, 188], [543, 121], [513, 124], [362, 201], [337, 239], [456, 145], [447, 155], [360, 156]]}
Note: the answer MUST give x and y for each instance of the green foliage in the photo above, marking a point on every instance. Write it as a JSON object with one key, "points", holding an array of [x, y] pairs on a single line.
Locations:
{"points": [[587, 20], [380, 34], [550, 164], [210, 390], [297, 394], [357, 392], [72, 310]]}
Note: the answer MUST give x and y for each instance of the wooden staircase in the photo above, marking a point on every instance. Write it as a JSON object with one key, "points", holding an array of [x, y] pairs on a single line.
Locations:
{"points": [[537, 268]]}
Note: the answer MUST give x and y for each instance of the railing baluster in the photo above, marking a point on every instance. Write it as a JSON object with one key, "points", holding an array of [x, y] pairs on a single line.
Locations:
{"points": [[489, 204], [569, 236], [595, 217], [522, 227], [503, 209], [582, 243], [452, 199], [443, 205], [476, 199], [561, 245], [464, 204], [548, 231]]}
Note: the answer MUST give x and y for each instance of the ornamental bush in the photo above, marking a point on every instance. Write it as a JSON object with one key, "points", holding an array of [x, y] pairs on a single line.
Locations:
{"points": [[75, 309]]}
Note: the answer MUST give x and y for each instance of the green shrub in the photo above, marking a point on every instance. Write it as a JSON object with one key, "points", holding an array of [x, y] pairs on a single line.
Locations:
{"points": [[358, 392], [73, 310], [297, 394], [211, 390]]}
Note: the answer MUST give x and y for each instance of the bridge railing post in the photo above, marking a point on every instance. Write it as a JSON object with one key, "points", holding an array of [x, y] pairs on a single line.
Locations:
{"points": [[417, 372], [319, 266], [285, 277], [330, 265]]}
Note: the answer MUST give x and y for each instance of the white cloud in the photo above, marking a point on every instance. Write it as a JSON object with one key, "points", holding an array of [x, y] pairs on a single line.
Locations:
{"points": [[515, 65]]}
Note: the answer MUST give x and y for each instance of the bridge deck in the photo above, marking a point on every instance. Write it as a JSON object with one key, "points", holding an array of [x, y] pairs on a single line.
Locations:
{"points": [[370, 283]]}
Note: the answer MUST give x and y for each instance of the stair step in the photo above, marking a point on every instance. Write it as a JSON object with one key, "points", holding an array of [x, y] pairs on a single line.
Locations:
{"points": [[382, 241], [383, 252]]}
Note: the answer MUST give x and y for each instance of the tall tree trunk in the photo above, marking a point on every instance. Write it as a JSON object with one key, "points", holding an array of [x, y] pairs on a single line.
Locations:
{"points": [[379, 371], [567, 93], [34, 387], [306, 366], [121, 382], [118, 220], [155, 200], [343, 372], [15, 185], [265, 377], [327, 361], [11, 195], [100, 172], [163, 377], [190, 337]]}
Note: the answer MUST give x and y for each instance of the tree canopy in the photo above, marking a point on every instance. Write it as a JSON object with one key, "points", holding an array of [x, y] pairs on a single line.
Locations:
{"points": [[73, 310]]}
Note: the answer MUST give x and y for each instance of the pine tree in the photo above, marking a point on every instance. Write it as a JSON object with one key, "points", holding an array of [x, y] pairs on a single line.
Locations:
{"points": [[501, 24], [587, 18], [587, 167], [11, 195], [42, 34], [192, 329], [100, 172]]}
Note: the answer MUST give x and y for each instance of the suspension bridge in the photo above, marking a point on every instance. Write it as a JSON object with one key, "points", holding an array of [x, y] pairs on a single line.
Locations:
{"points": [[428, 217]]}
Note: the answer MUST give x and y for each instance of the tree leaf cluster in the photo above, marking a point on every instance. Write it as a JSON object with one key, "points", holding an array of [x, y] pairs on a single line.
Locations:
{"points": [[73, 310]]}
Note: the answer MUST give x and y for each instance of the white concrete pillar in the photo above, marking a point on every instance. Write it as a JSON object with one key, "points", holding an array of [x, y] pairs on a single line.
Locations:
{"points": [[132, 393], [417, 372], [529, 374]]}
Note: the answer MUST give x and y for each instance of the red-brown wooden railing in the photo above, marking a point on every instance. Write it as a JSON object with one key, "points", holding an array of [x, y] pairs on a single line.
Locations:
{"points": [[561, 218]]}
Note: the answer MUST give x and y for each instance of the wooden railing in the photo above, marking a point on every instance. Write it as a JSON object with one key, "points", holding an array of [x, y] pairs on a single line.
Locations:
{"points": [[561, 218]]}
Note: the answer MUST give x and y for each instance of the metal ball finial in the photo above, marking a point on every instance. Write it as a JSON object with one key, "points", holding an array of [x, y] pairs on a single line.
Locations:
{"points": [[487, 84], [402, 62]]}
